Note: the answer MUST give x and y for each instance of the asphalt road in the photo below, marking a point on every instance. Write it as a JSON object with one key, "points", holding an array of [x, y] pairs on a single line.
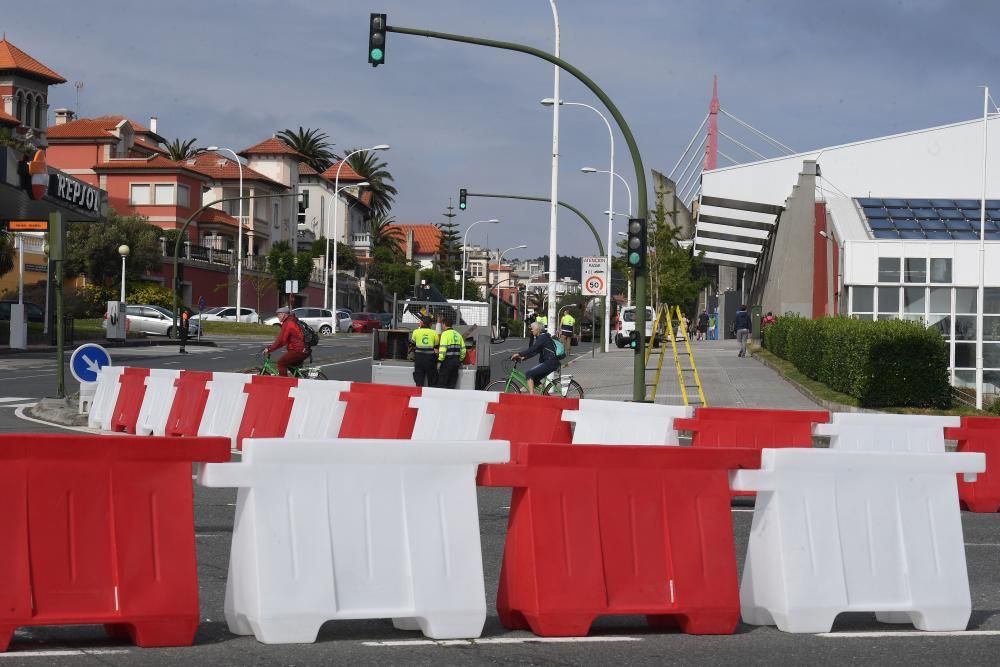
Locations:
{"points": [[857, 638]]}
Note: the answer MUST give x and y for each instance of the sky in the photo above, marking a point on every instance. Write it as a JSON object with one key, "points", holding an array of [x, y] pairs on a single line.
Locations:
{"points": [[233, 73]]}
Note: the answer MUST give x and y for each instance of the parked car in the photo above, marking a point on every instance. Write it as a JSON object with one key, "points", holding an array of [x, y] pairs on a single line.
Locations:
{"points": [[587, 330], [365, 322], [317, 318], [626, 325], [228, 314], [385, 319], [156, 320], [32, 311]]}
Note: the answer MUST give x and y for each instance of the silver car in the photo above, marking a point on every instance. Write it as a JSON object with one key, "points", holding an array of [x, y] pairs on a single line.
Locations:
{"points": [[155, 320], [228, 314], [317, 318]]}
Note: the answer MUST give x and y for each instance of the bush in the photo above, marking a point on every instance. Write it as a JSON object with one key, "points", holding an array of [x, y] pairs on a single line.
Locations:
{"points": [[882, 363], [90, 301], [153, 294]]}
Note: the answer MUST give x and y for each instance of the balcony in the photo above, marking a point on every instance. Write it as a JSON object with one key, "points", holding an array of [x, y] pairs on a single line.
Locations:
{"points": [[363, 240]]}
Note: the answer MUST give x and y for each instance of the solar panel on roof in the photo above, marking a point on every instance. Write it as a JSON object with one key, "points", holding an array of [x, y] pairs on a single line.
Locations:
{"points": [[932, 224], [967, 203], [902, 213], [875, 213], [993, 236], [943, 203], [957, 225], [926, 214], [881, 224], [869, 201], [910, 234], [938, 236], [993, 213], [919, 203], [885, 234], [906, 224], [965, 236], [894, 203], [950, 214]]}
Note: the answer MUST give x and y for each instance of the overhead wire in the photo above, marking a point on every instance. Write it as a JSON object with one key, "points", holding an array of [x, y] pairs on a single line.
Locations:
{"points": [[763, 135]]}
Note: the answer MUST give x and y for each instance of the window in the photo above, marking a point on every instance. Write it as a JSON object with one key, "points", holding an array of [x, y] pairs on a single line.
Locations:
{"points": [[940, 270], [39, 107], [915, 270], [163, 193], [476, 270], [863, 299], [888, 303], [19, 107], [939, 305], [888, 269], [965, 300], [183, 196], [139, 195]]}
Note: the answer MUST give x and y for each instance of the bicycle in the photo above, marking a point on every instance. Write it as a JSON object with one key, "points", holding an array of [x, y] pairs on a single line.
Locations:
{"points": [[302, 372], [554, 384]]}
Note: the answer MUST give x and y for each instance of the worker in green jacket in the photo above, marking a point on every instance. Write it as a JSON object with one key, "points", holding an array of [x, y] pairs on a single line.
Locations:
{"points": [[451, 354]]}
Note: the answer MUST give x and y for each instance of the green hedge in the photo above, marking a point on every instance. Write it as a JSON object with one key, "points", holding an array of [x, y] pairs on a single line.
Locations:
{"points": [[882, 364]]}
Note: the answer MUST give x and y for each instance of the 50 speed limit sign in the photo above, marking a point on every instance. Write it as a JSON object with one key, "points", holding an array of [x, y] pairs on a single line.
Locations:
{"points": [[594, 276]]}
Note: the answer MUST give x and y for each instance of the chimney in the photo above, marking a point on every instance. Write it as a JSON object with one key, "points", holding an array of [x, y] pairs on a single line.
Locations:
{"points": [[409, 245], [152, 124], [64, 116]]}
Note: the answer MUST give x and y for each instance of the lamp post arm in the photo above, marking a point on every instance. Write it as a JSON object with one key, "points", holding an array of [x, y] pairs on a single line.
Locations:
{"points": [[597, 237]]}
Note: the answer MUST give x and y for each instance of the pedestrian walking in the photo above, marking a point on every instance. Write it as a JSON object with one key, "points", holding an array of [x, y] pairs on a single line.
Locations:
{"points": [[743, 325], [702, 326], [566, 325]]}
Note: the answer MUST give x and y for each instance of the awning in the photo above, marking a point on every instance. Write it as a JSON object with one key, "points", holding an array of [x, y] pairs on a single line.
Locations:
{"points": [[732, 232]]}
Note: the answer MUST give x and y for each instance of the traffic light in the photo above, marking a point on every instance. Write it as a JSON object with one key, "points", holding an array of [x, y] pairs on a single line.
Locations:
{"points": [[633, 340], [462, 194], [376, 40], [637, 243]]}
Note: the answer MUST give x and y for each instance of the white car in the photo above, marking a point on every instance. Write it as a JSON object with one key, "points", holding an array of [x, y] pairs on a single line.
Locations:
{"points": [[228, 314], [317, 318], [626, 325]]}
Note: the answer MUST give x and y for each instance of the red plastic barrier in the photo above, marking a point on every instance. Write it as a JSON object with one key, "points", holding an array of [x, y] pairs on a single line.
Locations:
{"points": [[189, 403], [522, 418], [620, 530], [130, 395], [378, 411], [268, 408], [979, 434], [100, 529]]}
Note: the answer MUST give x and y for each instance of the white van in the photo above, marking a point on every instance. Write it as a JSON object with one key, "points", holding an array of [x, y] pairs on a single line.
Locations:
{"points": [[626, 324]]}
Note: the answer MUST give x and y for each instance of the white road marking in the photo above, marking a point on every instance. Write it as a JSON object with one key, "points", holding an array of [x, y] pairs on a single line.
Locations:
{"points": [[346, 361], [59, 653], [502, 640], [13, 400], [19, 413], [912, 634]]}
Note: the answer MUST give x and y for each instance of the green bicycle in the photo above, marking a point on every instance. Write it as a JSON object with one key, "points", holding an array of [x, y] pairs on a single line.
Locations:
{"points": [[555, 384], [302, 372]]}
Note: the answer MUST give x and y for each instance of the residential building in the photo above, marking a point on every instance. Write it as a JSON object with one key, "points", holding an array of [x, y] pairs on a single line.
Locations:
{"points": [[420, 243], [278, 161], [24, 93], [318, 212]]}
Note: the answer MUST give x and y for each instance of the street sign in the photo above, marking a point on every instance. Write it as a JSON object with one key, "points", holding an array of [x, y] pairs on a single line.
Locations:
{"points": [[594, 276], [201, 303], [28, 226], [87, 361]]}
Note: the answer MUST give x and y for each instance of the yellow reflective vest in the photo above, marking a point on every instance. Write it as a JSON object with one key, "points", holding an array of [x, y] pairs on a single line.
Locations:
{"points": [[452, 345], [425, 340]]}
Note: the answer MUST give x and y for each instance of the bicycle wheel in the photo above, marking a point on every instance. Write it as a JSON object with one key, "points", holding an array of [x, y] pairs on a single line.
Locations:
{"points": [[572, 390], [502, 386], [320, 375]]}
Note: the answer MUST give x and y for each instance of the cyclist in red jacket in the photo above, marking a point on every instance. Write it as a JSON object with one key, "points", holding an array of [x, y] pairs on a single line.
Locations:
{"points": [[290, 338]]}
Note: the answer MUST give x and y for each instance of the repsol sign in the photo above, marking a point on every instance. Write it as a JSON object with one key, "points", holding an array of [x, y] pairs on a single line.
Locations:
{"points": [[77, 193]]}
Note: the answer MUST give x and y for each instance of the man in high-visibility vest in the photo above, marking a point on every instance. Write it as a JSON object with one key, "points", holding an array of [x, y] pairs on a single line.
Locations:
{"points": [[451, 354], [566, 325], [424, 341]]}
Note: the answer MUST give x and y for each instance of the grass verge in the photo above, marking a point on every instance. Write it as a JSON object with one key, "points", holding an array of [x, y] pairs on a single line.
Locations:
{"points": [[237, 329]]}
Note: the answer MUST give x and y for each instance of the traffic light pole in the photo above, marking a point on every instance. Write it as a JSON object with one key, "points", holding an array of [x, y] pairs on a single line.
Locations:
{"points": [[639, 366], [597, 237]]}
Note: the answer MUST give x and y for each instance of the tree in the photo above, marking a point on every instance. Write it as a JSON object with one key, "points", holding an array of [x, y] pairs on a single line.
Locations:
{"points": [[386, 236], [285, 264], [182, 150], [92, 248], [346, 259], [537, 302], [367, 165], [6, 253], [311, 143], [677, 272], [8, 138], [451, 245]]}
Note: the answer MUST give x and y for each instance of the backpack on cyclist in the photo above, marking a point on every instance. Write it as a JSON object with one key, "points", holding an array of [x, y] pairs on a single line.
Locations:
{"points": [[559, 349], [309, 335]]}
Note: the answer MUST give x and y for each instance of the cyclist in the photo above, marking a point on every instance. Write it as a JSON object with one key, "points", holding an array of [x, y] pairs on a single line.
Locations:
{"points": [[545, 348], [290, 338]]}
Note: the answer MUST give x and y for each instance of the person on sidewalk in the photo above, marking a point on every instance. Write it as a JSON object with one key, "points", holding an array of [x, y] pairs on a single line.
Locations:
{"points": [[425, 342], [766, 321], [702, 326], [545, 348], [566, 325], [743, 325], [451, 354], [291, 339]]}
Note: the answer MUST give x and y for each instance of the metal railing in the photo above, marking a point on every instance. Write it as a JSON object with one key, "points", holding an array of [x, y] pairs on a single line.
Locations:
{"points": [[363, 239]]}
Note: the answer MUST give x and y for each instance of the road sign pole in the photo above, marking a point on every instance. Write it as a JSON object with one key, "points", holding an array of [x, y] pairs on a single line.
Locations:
{"points": [[56, 227]]}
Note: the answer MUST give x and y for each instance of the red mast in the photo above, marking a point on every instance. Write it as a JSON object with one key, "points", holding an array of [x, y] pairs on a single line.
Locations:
{"points": [[712, 146]]}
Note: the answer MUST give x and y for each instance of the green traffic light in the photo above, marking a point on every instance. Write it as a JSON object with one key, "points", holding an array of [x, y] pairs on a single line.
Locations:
{"points": [[633, 258], [462, 206], [377, 54]]}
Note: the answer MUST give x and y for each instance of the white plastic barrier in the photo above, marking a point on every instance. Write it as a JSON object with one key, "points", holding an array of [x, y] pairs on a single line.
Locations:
{"points": [[836, 531], [616, 423], [453, 414], [224, 406], [351, 529], [105, 397], [317, 411], [156, 402], [869, 432]]}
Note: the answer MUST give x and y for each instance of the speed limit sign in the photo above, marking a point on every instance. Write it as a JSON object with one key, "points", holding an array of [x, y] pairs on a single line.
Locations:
{"points": [[594, 275]]}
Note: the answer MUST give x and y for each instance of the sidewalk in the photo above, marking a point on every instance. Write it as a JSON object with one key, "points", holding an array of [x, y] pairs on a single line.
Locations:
{"points": [[728, 380]]}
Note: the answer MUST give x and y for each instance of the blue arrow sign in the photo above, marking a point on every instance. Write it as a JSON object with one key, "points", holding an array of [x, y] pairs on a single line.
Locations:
{"points": [[87, 361]]}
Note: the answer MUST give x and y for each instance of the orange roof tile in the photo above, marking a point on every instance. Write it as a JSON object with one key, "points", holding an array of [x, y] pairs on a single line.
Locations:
{"points": [[7, 119], [149, 146], [426, 238], [220, 168], [347, 175], [93, 128], [153, 163], [305, 169], [272, 146], [219, 217], [14, 58]]}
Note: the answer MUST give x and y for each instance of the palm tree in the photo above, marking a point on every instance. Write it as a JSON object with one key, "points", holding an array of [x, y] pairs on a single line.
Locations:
{"points": [[182, 150], [314, 144], [536, 301], [373, 170], [384, 234]]}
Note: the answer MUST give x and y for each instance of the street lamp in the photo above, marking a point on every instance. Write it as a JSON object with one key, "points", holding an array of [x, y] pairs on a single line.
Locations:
{"points": [[465, 238], [611, 204], [123, 251], [620, 215], [239, 230], [334, 320], [554, 203], [592, 170], [336, 217], [499, 264]]}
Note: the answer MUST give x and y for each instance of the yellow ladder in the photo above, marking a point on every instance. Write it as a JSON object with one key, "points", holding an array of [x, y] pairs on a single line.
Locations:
{"points": [[687, 377]]}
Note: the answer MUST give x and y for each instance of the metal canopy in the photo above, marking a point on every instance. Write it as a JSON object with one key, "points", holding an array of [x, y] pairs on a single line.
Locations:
{"points": [[731, 232]]}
